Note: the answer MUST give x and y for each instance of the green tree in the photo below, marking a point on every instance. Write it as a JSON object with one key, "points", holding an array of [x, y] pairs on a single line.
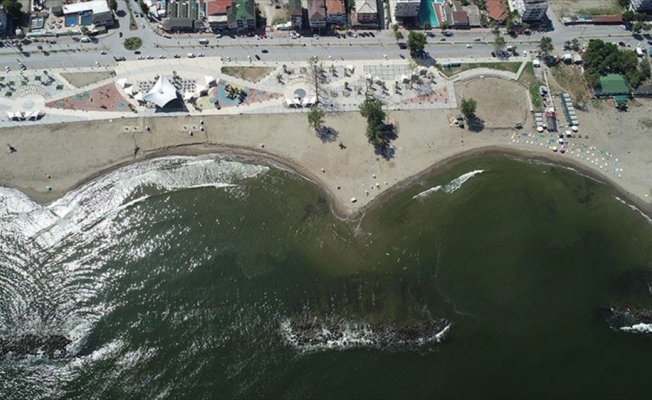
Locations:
{"points": [[113, 5], [623, 4], [395, 28], [14, 10], [416, 42], [637, 27], [575, 44], [316, 117], [372, 110], [444, 25], [468, 108], [499, 42], [567, 45], [645, 69], [143, 7], [84, 30], [641, 17], [427, 26], [399, 36], [628, 16], [545, 45]]}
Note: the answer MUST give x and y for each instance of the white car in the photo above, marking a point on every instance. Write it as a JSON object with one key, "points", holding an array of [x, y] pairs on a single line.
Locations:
{"points": [[218, 36], [162, 56], [468, 46], [103, 52], [191, 55], [524, 53], [477, 39], [97, 63], [201, 55]]}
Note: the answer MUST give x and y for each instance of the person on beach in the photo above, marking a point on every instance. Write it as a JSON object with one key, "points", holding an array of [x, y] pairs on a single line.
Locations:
{"points": [[12, 149]]}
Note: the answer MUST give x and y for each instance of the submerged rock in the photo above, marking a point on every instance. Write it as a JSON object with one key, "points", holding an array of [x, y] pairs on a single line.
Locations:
{"points": [[54, 346], [311, 333], [629, 319]]}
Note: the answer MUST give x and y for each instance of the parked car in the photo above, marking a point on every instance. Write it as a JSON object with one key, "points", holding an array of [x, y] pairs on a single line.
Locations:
{"points": [[402, 45], [264, 51], [477, 39], [430, 34], [191, 55]]}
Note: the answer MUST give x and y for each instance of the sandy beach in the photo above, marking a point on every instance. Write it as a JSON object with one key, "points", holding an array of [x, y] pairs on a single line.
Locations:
{"points": [[51, 160]]}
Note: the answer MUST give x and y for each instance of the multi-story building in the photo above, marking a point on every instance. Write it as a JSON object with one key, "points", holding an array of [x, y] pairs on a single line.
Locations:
{"points": [[317, 14], [335, 12], [296, 13], [242, 15], [531, 10], [216, 13], [407, 8], [641, 5], [366, 11], [497, 10], [183, 9]]}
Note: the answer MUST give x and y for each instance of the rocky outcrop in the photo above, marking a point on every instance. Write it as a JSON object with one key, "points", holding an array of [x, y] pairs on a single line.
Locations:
{"points": [[54, 346]]}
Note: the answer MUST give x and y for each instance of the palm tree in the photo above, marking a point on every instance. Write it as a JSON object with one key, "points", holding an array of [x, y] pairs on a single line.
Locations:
{"points": [[279, 78]]}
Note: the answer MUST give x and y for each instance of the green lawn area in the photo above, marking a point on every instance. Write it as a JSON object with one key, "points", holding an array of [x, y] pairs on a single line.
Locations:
{"points": [[501, 66], [529, 79]]}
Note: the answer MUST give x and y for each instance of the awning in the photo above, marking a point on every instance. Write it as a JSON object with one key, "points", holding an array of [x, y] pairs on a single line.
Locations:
{"points": [[209, 79], [188, 96], [162, 93], [122, 82], [129, 90]]}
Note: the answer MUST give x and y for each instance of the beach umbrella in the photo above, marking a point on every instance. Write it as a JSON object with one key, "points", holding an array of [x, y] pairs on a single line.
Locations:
{"points": [[574, 128], [539, 129], [554, 148]]}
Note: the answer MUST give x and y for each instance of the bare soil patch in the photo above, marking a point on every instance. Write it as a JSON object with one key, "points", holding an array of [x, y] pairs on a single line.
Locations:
{"points": [[569, 79], [81, 79], [571, 8], [251, 74], [501, 103]]}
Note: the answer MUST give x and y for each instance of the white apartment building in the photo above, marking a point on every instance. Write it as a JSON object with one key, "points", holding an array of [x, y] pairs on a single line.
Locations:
{"points": [[531, 10]]}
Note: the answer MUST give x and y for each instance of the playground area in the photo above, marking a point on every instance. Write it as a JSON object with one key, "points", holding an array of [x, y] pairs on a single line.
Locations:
{"points": [[225, 94], [103, 98]]}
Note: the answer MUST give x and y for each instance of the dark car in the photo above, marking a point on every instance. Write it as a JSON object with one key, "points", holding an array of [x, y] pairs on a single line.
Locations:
{"points": [[120, 58], [136, 52], [430, 34], [493, 54], [257, 57], [402, 46], [402, 56], [371, 34], [264, 51]]}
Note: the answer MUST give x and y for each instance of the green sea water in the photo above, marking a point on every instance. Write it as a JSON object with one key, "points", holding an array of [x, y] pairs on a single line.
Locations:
{"points": [[183, 292]]}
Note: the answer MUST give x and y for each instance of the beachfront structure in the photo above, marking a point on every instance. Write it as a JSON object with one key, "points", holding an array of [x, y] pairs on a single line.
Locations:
{"points": [[242, 15], [335, 12], [497, 10], [162, 93], [407, 8], [95, 12], [531, 10], [641, 5], [612, 85], [317, 14], [183, 9], [296, 13], [473, 12], [216, 13], [366, 11]]}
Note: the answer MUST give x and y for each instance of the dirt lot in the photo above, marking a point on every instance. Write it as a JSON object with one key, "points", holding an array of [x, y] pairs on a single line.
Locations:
{"points": [[568, 78], [501, 103], [251, 74], [571, 8], [81, 79]]}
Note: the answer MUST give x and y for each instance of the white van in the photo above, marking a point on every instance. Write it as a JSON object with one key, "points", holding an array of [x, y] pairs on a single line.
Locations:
{"points": [[85, 39], [203, 41], [191, 55]]}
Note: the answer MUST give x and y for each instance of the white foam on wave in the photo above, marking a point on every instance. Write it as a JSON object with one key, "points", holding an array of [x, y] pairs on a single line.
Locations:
{"points": [[450, 187], [352, 335], [638, 328], [47, 225], [634, 208]]}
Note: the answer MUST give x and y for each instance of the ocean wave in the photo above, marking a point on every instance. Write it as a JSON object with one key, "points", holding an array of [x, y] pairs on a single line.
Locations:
{"points": [[320, 335], [634, 208], [638, 328], [52, 268], [450, 187]]}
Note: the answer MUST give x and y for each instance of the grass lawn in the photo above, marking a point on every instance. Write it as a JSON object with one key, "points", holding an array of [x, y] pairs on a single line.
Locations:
{"points": [[251, 74], [529, 79], [501, 66]]}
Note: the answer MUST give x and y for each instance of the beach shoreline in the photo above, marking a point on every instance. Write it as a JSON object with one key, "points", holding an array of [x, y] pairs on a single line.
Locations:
{"points": [[339, 173]]}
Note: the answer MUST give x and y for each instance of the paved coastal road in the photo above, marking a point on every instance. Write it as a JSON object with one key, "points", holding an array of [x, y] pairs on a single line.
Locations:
{"points": [[66, 53]]}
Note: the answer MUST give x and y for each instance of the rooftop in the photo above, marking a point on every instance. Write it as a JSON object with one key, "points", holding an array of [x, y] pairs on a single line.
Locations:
{"points": [[316, 9], [366, 7], [242, 10], [296, 10], [335, 7], [460, 18], [497, 9], [217, 7], [613, 84]]}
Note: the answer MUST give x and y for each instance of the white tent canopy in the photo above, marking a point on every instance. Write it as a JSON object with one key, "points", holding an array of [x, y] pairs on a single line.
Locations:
{"points": [[139, 96], [162, 93], [350, 67], [122, 82], [129, 90], [201, 90], [188, 96], [209, 79]]}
